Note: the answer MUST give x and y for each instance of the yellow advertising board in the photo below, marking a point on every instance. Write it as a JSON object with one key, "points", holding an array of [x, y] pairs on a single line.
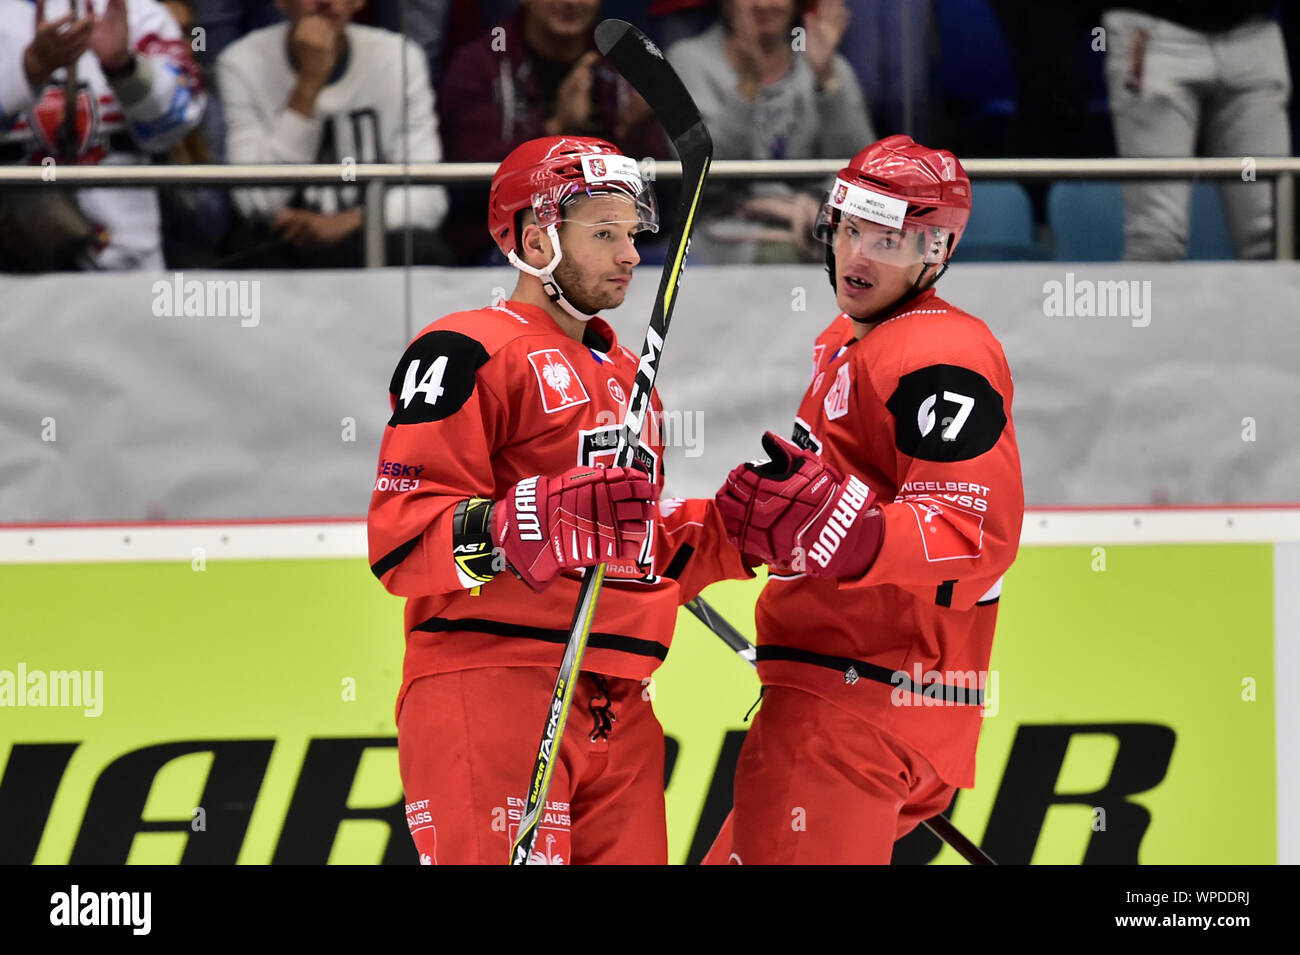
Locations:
{"points": [[164, 701]]}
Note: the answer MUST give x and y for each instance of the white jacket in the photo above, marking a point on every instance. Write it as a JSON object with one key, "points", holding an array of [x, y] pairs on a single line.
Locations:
{"points": [[358, 116], [166, 102]]}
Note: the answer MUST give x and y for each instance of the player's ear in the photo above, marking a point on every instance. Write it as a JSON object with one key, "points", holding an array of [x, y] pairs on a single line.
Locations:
{"points": [[535, 245]]}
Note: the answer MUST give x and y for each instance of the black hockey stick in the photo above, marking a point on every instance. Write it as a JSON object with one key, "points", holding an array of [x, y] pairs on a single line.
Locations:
{"points": [[645, 68], [733, 638]]}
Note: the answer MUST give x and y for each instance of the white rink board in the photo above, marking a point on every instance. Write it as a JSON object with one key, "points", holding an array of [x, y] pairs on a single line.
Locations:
{"points": [[201, 419], [37, 544]]}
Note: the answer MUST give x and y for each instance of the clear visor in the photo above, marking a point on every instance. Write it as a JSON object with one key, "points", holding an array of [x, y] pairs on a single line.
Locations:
{"points": [[851, 237], [612, 192], [855, 221]]}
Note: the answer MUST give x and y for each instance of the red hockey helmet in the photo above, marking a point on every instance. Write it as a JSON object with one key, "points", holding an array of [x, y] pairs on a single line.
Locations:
{"points": [[542, 174], [923, 193]]}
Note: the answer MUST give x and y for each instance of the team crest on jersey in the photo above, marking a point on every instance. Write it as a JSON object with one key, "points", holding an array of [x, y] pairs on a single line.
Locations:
{"points": [[559, 384], [819, 352], [552, 830], [419, 819], [948, 532], [599, 447], [836, 402]]}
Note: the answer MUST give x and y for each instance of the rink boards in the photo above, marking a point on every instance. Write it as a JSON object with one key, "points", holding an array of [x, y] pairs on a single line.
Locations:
{"points": [[249, 671]]}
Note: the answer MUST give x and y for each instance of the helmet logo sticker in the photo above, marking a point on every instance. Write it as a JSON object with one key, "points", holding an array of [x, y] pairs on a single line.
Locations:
{"points": [[546, 210], [598, 169], [865, 204]]}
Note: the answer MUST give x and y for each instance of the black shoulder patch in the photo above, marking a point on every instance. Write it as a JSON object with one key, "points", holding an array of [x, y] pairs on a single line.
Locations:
{"points": [[946, 413], [435, 377]]}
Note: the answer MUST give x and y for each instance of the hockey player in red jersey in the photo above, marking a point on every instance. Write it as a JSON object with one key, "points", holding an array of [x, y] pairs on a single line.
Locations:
{"points": [[492, 493], [887, 522]]}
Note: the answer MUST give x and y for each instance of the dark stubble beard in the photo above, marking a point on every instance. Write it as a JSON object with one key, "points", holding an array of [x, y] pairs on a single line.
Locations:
{"points": [[586, 300]]}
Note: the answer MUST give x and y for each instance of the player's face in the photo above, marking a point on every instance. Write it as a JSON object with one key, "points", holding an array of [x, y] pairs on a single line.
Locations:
{"points": [[865, 281], [563, 18], [599, 251]]}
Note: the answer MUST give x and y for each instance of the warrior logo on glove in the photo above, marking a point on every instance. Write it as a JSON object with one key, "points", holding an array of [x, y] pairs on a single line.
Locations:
{"points": [[584, 517], [796, 512]]}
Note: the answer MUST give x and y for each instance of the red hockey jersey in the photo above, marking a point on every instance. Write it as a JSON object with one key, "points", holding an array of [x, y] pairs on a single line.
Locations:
{"points": [[480, 400], [919, 409]]}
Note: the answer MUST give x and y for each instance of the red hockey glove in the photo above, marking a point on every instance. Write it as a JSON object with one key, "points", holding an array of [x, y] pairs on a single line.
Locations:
{"points": [[799, 513], [584, 517]]}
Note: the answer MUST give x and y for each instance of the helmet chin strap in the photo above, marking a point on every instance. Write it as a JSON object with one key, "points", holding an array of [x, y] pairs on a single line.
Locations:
{"points": [[547, 275]]}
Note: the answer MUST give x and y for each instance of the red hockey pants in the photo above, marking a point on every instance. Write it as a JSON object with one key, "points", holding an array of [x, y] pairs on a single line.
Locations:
{"points": [[817, 785], [466, 742]]}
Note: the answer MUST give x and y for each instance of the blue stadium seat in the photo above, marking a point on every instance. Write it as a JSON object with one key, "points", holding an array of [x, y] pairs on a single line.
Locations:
{"points": [[1087, 221], [1208, 238], [975, 67], [1001, 226]]}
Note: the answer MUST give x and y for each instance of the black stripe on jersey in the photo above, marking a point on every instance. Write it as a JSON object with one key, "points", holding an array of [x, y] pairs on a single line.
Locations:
{"points": [[498, 628], [943, 595], [854, 669], [435, 377], [678, 563], [985, 603], [870, 671], [394, 557]]}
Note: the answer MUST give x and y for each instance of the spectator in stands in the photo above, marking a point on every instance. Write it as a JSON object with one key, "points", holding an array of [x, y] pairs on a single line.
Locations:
{"points": [[322, 89], [125, 72], [194, 218], [536, 73], [424, 21], [1194, 71], [771, 87], [886, 43], [221, 23], [1068, 116], [674, 20], [225, 21]]}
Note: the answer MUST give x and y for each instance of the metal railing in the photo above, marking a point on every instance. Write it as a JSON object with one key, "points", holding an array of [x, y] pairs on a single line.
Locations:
{"points": [[374, 177]]}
